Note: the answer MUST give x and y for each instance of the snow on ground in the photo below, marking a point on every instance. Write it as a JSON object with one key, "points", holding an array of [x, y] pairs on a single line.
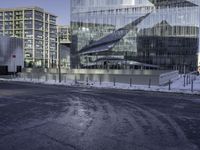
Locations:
{"points": [[176, 87]]}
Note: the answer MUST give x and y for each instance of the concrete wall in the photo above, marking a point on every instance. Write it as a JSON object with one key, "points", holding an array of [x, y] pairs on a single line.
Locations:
{"points": [[139, 77], [99, 71]]}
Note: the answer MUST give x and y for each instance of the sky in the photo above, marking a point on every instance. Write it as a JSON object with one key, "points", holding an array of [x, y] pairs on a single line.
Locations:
{"points": [[60, 8]]}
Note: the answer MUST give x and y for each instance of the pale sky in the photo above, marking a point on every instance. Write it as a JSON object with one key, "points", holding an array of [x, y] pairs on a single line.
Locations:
{"points": [[60, 8]]}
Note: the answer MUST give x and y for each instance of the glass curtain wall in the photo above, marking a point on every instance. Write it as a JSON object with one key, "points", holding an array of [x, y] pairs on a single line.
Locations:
{"points": [[136, 34]]}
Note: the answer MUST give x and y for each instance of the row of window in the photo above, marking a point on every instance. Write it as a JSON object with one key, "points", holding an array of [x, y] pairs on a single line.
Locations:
{"points": [[122, 11], [27, 15]]}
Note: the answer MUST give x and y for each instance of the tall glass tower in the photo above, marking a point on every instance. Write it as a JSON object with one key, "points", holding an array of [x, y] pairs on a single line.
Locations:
{"points": [[135, 34]]}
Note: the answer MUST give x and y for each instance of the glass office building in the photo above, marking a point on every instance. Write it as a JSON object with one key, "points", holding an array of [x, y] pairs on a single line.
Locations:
{"points": [[135, 34]]}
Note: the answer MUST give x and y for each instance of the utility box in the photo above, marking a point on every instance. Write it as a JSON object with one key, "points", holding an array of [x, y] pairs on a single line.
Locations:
{"points": [[11, 55]]}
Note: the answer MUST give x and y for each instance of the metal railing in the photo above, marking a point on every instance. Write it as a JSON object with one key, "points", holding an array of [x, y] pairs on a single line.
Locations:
{"points": [[188, 81]]}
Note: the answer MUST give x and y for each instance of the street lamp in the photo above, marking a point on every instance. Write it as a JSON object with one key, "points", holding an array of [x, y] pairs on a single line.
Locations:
{"points": [[59, 56], [14, 65], [51, 61]]}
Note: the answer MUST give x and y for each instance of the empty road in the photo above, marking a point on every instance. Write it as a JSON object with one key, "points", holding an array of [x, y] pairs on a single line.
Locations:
{"points": [[43, 117]]}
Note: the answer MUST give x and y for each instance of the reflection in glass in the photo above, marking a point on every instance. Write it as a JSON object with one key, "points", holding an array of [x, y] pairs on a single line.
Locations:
{"points": [[135, 34]]}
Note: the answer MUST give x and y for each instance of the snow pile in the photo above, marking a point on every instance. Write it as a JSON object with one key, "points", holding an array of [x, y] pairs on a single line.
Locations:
{"points": [[176, 87]]}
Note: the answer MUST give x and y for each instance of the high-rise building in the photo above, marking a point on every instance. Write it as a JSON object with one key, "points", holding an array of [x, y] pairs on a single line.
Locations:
{"points": [[38, 30], [135, 34]]}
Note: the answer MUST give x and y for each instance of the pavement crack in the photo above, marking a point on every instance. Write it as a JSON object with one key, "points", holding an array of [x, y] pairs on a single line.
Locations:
{"points": [[58, 141]]}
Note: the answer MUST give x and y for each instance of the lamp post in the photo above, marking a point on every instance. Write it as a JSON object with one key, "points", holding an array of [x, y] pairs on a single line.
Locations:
{"points": [[59, 57], [14, 57], [51, 61]]}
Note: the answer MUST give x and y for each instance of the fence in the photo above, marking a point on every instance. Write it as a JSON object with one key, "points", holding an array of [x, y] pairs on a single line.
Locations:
{"points": [[139, 77], [134, 79], [112, 81]]}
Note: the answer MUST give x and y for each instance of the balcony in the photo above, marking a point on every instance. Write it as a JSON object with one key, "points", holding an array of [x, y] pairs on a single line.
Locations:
{"points": [[28, 46], [8, 18], [18, 17]]}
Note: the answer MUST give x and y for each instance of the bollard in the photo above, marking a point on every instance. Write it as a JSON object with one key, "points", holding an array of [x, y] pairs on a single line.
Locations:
{"points": [[169, 85], [38, 78], [87, 80], [114, 81], [187, 80], [65, 79], [192, 86], [184, 80], [149, 83], [193, 77], [55, 78], [130, 82], [75, 80], [100, 80], [46, 77]]}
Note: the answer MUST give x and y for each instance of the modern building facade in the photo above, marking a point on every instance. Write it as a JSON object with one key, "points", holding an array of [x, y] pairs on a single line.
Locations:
{"points": [[38, 30], [63, 46], [137, 34], [11, 55]]}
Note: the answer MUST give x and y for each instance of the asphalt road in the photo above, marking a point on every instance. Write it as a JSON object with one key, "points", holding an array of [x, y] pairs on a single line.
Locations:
{"points": [[41, 117]]}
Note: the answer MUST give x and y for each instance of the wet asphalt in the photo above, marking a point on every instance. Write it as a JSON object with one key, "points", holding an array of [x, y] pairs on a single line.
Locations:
{"points": [[43, 117]]}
